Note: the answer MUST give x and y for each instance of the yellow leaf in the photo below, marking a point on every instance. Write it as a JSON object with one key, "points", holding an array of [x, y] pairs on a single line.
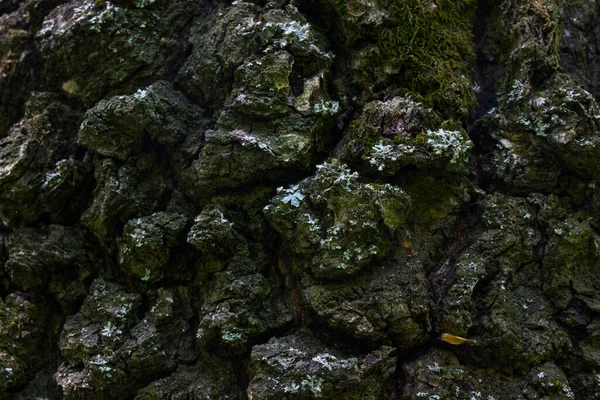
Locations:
{"points": [[452, 339]]}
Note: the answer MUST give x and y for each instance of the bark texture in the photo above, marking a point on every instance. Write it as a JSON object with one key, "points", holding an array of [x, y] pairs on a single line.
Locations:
{"points": [[294, 200]]}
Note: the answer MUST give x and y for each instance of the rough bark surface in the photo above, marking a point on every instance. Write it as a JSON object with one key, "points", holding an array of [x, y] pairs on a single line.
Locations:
{"points": [[294, 200]]}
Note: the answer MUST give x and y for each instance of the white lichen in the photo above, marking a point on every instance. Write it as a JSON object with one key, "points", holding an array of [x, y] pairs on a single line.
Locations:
{"points": [[326, 108], [314, 384], [324, 360], [109, 330], [448, 143], [434, 368], [228, 336]]}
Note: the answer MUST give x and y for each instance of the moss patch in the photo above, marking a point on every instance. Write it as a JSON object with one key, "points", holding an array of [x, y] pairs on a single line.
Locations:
{"points": [[428, 43]]}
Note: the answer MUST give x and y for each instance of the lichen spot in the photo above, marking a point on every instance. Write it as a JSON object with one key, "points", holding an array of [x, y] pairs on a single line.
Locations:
{"points": [[70, 86]]}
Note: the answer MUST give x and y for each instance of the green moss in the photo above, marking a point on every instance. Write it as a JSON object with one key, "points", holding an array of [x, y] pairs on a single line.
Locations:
{"points": [[434, 199], [537, 47], [430, 44], [435, 46]]}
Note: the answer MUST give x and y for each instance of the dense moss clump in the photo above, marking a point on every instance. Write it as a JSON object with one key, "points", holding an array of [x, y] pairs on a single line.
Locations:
{"points": [[422, 48]]}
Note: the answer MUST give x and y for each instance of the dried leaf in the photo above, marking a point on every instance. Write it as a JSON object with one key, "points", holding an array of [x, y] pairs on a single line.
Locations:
{"points": [[452, 339]]}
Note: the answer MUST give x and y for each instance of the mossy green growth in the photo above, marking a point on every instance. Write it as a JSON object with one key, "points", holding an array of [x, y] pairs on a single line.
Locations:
{"points": [[436, 199], [529, 33], [434, 43], [430, 44]]}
